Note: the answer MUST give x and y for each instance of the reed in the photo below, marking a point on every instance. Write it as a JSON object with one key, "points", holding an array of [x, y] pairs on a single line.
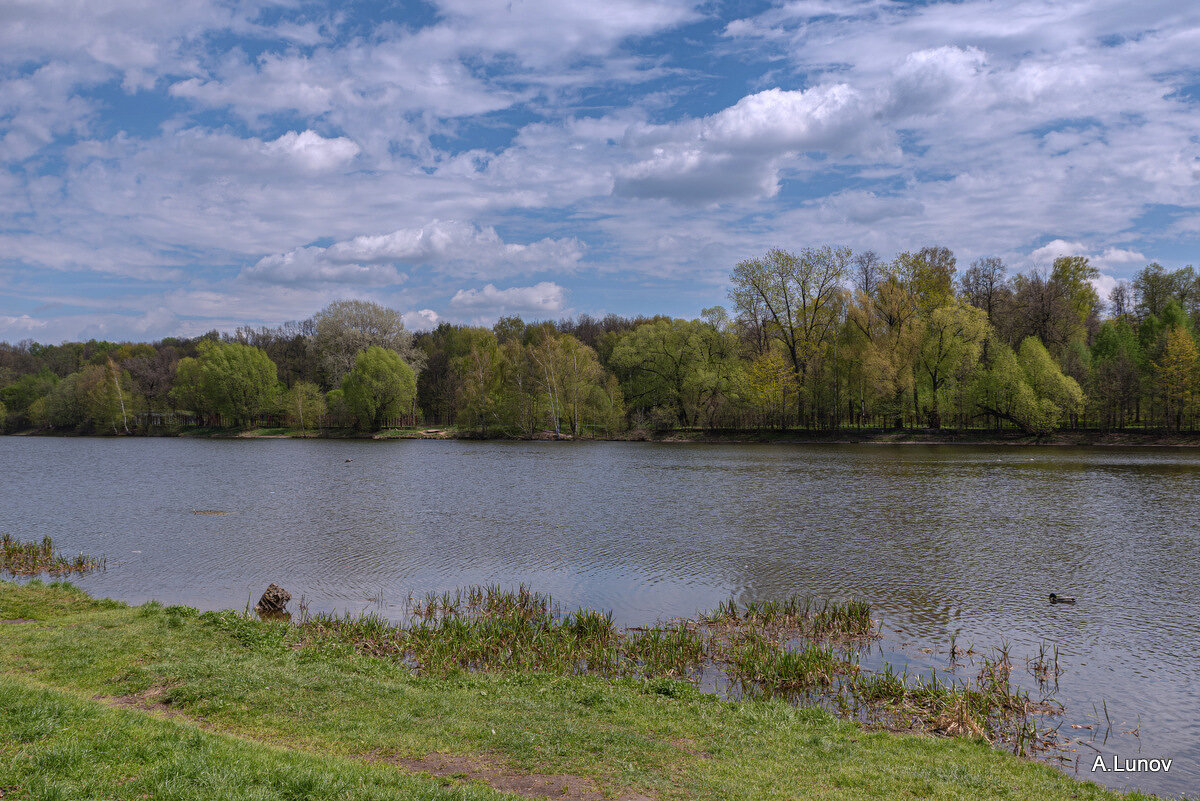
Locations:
{"points": [[20, 558], [799, 616], [797, 648]]}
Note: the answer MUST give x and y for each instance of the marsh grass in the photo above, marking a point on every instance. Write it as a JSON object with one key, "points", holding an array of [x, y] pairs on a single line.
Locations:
{"points": [[799, 649], [19, 558]]}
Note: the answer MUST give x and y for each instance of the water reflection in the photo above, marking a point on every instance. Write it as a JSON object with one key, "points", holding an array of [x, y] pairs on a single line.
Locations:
{"points": [[941, 540]]}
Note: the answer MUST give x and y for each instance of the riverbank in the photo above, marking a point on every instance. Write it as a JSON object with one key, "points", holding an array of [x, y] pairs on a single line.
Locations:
{"points": [[1071, 438], [1136, 439], [99, 699]]}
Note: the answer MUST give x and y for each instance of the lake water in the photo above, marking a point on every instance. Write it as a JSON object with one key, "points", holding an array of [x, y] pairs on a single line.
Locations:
{"points": [[942, 541]]}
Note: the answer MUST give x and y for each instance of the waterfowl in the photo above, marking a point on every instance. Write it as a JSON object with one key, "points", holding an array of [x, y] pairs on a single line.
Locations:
{"points": [[349, 460], [1061, 599]]}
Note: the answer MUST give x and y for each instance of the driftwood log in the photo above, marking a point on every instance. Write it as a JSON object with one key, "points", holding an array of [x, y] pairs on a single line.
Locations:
{"points": [[273, 600]]}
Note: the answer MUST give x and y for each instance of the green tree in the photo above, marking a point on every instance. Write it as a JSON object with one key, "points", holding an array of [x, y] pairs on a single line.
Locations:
{"points": [[22, 393], [304, 405], [3, 415], [801, 298], [1075, 275], [186, 391], [345, 328], [381, 386], [888, 335], [336, 409], [769, 387], [233, 380], [950, 348], [103, 398], [1116, 371], [929, 274], [684, 366], [1177, 375], [1154, 287], [482, 373], [1027, 388]]}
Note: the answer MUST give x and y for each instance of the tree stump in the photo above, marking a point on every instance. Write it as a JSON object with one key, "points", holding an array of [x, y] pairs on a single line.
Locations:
{"points": [[273, 600]]}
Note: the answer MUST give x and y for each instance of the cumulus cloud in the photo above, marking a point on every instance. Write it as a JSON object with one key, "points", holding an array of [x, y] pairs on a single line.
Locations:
{"points": [[450, 246], [422, 319], [736, 152], [544, 298], [279, 144], [1108, 258], [540, 33], [21, 324], [1108, 261], [311, 266], [312, 151]]}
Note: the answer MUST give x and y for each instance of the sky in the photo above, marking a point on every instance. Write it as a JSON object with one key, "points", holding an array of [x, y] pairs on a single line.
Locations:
{"points": [[170, 168]]}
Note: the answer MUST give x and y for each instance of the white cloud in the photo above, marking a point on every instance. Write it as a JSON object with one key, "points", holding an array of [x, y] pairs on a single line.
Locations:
{"points": [[310, 266], [1108, 258], [1107, 261], [20, 325], [422, 319], [989, 126], [1057, 248], [541, 33], [544, 298], [450, 247], [313, 151], [737, 152]]}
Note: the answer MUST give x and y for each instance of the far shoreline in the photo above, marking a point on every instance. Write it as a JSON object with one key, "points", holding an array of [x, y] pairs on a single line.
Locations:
{"points": [[975, 437]]}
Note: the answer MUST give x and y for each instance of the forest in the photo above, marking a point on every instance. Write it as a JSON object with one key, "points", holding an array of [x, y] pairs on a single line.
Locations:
{"points": [[819, 339]]}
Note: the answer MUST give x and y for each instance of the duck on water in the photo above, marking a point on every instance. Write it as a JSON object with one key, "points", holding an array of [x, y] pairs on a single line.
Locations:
{"points": [[1061, 599]]}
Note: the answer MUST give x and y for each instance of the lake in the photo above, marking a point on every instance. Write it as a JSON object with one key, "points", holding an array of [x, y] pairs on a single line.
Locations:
{"points": [[942, 540]]}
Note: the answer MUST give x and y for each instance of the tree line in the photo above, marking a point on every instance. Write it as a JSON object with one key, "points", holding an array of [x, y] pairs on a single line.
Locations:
{"points": [[822, 338]]}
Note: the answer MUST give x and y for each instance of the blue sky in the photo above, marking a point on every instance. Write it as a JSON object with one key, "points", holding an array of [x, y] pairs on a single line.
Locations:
{"points": [[172, 168]]}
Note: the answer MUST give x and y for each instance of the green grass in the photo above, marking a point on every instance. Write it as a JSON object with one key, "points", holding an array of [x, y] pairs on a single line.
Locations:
{"points": [[224, 706]]}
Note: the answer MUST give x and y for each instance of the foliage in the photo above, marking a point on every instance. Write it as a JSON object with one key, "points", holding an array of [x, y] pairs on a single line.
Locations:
{"points": [[796, 298], [381, 387], [1027, 388], [950, 348], [481, 374], [236, 381], [1178, 373], [345, 328], [819, 337], [304, 405], [336, 408], [684, 366]]}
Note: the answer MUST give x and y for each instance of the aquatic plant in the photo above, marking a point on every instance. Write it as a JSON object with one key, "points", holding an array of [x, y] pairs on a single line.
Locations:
{"points": [[20, 558], [798, 648]]}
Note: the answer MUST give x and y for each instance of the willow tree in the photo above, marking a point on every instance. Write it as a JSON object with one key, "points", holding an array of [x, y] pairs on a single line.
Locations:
{"points": [[227, 378], [889, 333], [380, 387], [950, 346], [481, 374], [304, 405], [1027, 388]]}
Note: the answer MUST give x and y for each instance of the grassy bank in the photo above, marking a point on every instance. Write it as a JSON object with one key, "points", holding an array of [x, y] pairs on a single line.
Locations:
{"points": [[98, 699]]}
